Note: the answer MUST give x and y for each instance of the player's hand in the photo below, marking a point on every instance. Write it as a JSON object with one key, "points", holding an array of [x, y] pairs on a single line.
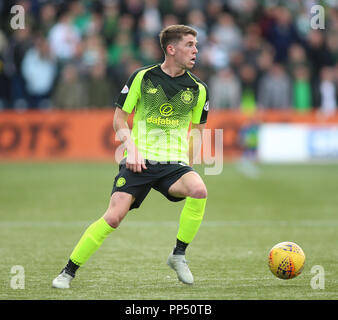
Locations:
{"points": [[135, 162]]}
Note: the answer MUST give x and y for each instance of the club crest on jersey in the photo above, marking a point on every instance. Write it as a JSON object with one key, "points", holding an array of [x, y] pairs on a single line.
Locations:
{"points": [[187, 96], [125, 89]]}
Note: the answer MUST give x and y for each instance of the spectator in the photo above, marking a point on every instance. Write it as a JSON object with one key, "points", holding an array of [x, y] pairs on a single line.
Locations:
{"points": [[336, 79], [296, 57], [134, 10], [98, 88], [196, 20], [70, 92], [332, 18], [265, 60], [143, 32], [87, 21], [47, 18], [20, 42], [302, 23], [266, 20], [332, 44], [231, 34], [227, 33], [64, 38], [122, 50], [320, 57], [4, 88], [282, 33], [213, 54], [236, 60], [245, 10], [252, 45], [169, 19], [318, 52], [39, 72], [149, 52], [152, 17], [248, 76], [225, 90], [180, 8], [110, 25], [95, 24], [274, 89], [301, 89], [127, 23], [328, 103], [212, 10], [93, 51], [80, 17]]}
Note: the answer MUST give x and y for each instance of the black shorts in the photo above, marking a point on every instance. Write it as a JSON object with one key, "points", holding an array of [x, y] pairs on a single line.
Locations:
{"points": [[159, 176]]}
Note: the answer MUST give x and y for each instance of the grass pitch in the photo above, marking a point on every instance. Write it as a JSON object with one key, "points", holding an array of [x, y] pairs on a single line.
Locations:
{"points": [[45, 208]]}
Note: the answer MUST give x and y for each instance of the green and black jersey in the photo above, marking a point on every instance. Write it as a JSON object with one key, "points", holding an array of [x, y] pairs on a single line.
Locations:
{"points": [[164, 107]]}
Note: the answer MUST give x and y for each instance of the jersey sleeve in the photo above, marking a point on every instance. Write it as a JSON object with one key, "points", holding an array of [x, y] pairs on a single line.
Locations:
{"points": [[130, 93], [200, 111]]}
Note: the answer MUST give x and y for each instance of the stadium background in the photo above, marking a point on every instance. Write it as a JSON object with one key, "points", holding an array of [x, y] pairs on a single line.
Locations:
{"points": [[263, 64], [255, 56]]}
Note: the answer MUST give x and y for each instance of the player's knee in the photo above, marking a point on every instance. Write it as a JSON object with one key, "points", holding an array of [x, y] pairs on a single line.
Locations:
{"points": [[199, 192], [118, 208], [112, 219]]}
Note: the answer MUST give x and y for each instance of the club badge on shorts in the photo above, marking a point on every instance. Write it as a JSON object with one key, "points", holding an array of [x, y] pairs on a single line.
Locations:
{"points": [[120, 182]]}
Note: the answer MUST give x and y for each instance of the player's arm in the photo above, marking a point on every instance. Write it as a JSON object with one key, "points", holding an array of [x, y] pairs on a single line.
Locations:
{"points": [[125, 104], [199, 119], [134, 161]]}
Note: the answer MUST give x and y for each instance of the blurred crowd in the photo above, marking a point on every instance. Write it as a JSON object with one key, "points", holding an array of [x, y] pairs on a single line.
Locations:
{"points": [[253, 54]]}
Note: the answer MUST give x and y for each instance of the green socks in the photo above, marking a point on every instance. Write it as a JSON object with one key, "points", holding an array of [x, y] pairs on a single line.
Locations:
{"points": [[90, 241], [191, 218]]}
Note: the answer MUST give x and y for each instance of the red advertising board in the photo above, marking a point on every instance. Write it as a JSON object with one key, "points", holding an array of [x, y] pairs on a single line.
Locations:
{"points": [[89, 135]]}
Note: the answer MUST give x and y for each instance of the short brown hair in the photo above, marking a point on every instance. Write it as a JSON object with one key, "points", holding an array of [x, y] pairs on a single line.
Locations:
{"points": [[173, 34]]}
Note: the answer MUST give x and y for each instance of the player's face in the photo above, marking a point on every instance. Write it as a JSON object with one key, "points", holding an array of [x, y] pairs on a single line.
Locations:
{"points": [[186, 51]]}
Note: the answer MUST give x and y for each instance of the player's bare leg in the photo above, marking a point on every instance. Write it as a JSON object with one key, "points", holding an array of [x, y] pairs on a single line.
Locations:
{"points": [[118, 208], [189, 185]]}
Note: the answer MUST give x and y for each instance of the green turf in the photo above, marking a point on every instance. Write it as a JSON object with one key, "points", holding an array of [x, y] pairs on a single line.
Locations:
{"points": [[44, 209]]}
